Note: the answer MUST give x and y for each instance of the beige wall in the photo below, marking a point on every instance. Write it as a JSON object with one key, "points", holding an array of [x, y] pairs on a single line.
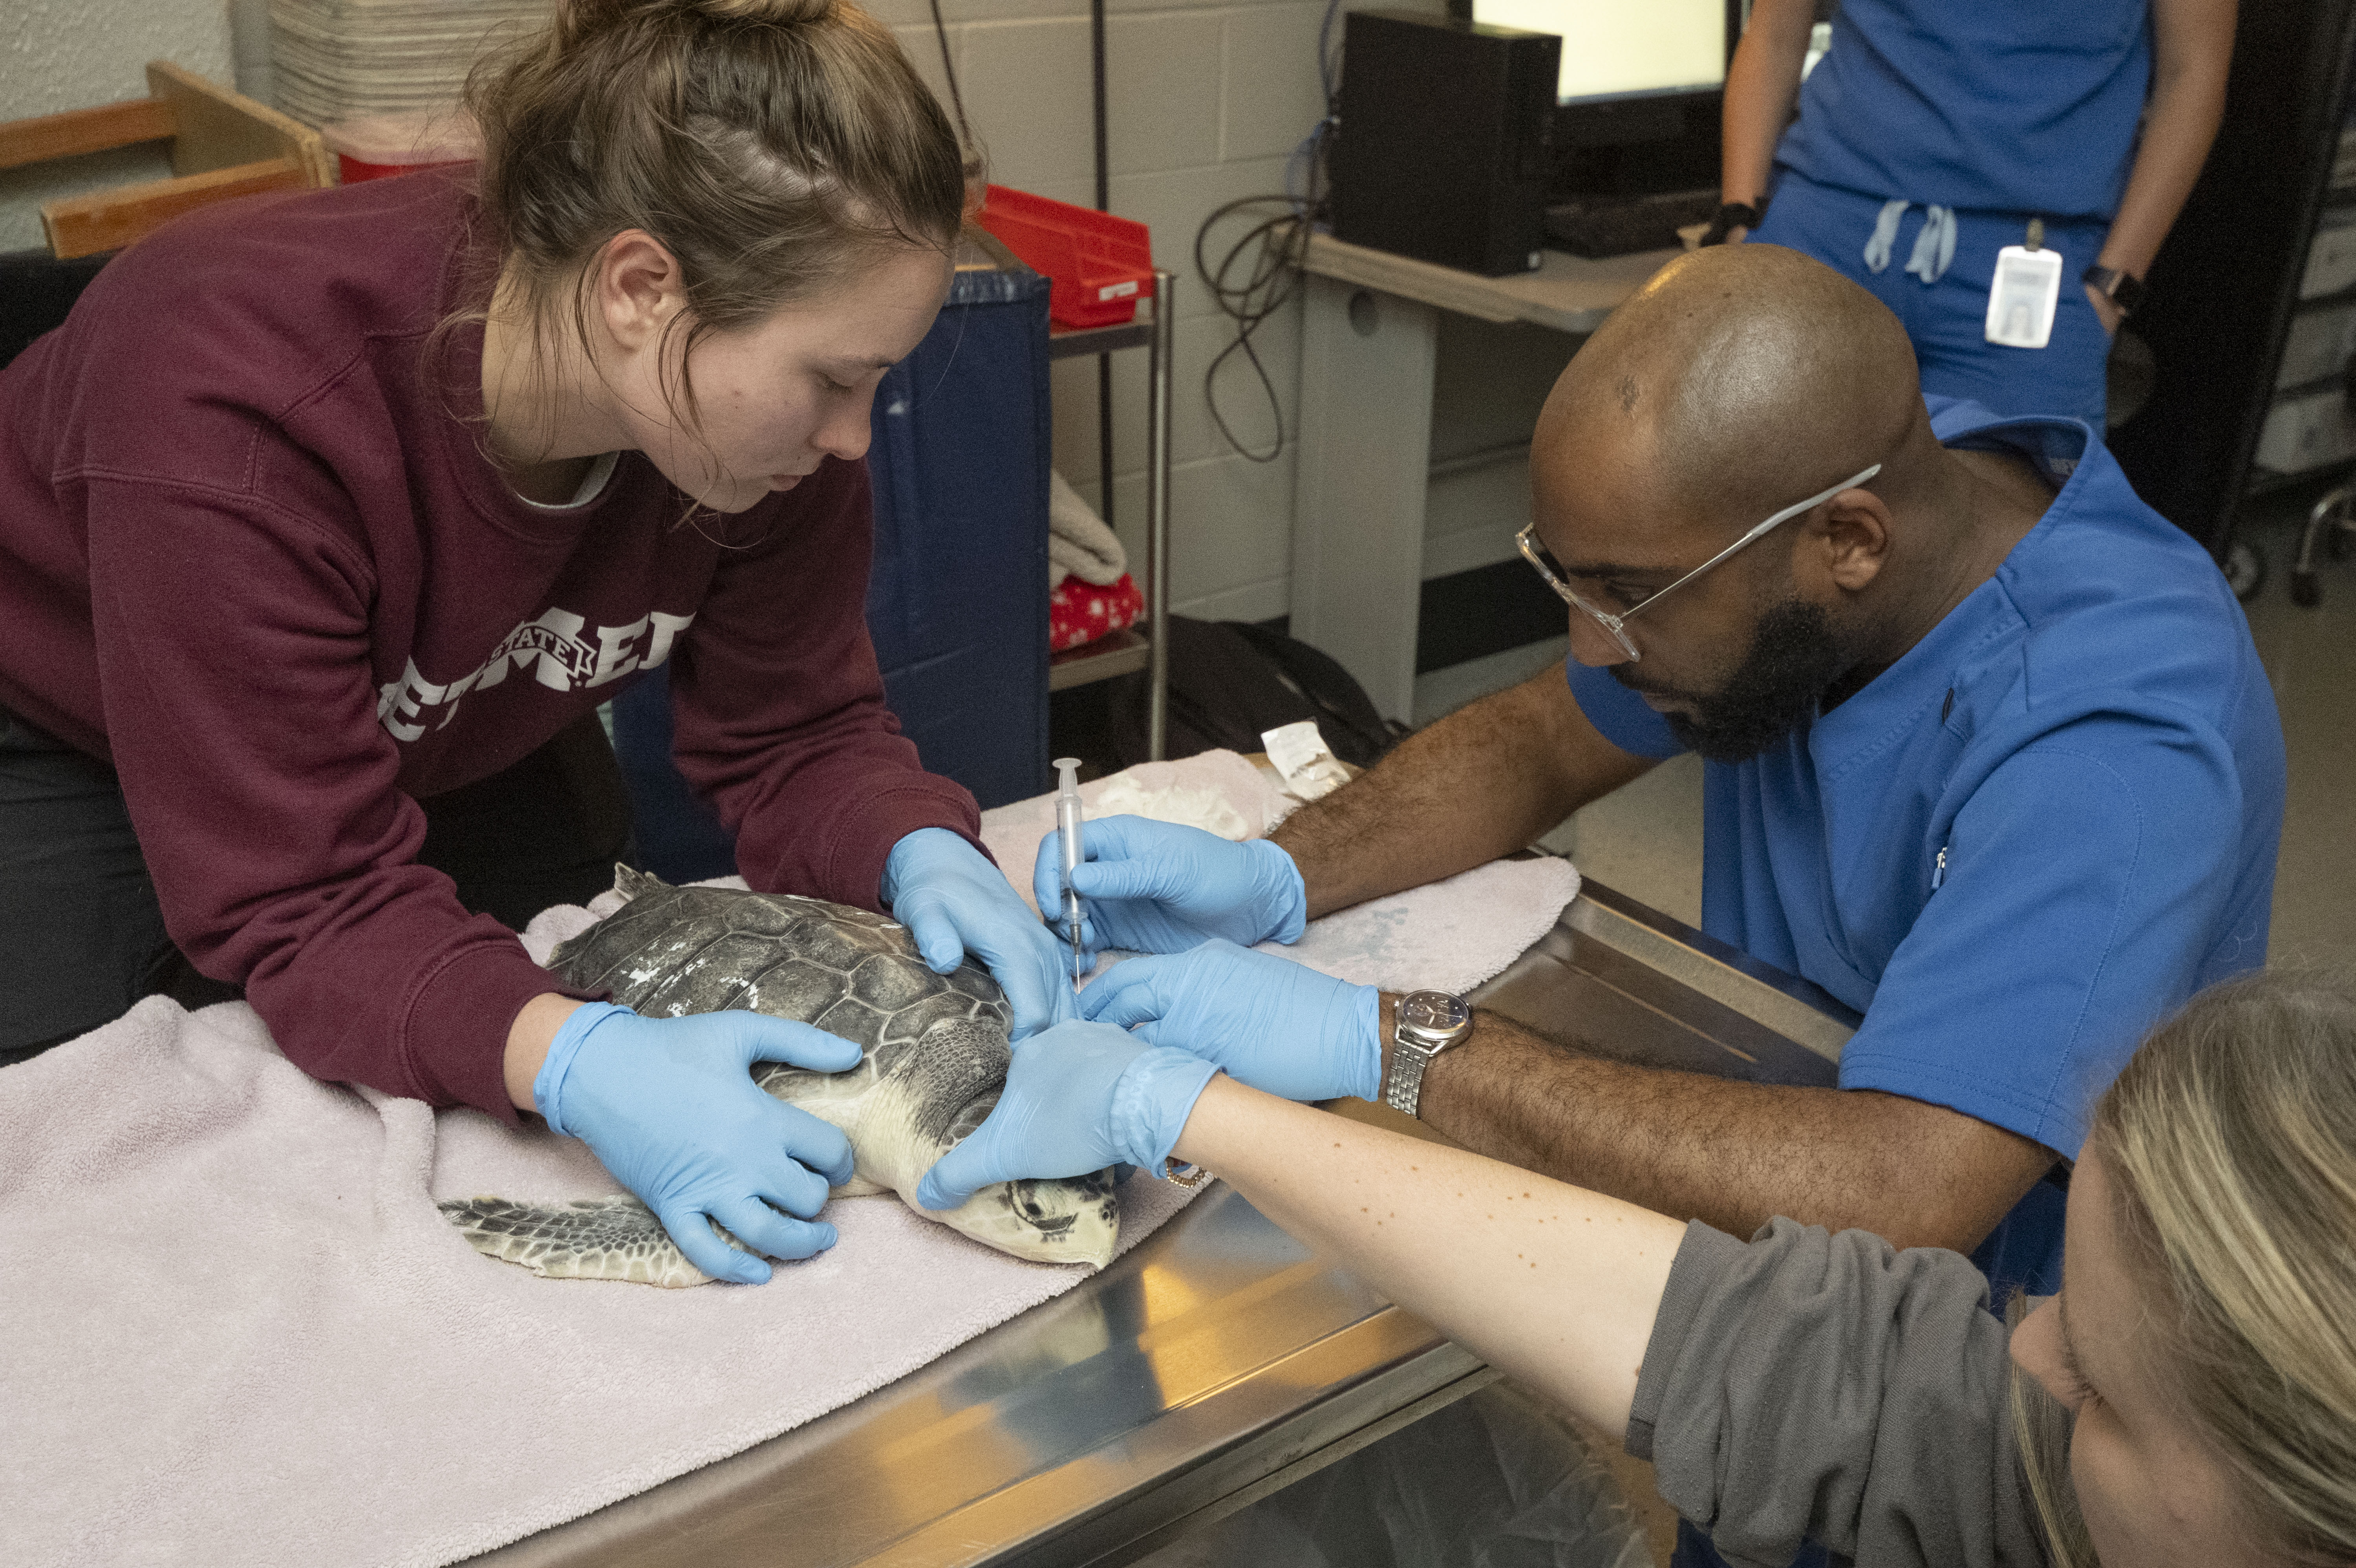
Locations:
{"points": [[1206, 102]]}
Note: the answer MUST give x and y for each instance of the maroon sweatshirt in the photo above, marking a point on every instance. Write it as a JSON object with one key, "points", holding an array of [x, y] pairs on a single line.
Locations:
{"points": [[252, 553]]}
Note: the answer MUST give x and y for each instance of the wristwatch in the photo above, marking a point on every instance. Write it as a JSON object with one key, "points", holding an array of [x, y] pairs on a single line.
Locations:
{"points": [[1428, 1022], [2123, 290], [1731, 216]]}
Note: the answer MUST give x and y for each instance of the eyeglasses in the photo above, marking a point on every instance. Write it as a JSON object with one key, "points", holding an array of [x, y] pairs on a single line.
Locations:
{"points": [[1547, 568]]}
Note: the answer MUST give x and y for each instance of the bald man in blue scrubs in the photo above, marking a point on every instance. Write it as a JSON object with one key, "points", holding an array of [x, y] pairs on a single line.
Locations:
{"points": [[1991, 758]]}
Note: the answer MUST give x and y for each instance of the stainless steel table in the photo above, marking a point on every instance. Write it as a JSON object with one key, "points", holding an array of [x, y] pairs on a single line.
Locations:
{"points": [[1213, 1364]]}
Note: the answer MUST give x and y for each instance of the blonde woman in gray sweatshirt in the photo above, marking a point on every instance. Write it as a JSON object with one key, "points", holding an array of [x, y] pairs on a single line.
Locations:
{"points": [[2189, 1398]]}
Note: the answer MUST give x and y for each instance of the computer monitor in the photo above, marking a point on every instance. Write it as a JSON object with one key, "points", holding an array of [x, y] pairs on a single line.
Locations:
{"points": [[1613, 49], [1641, 88]]}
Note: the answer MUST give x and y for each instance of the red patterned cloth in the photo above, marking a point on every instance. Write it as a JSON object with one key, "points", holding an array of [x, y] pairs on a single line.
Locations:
{"points": [[1079, 612]]}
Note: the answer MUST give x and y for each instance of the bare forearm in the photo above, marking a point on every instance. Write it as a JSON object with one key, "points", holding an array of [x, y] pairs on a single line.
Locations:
{"points": [[1762, 85], [2193, 48], [528, 1038], [1729, 1153], [1484, 781], [1557, 1287]]}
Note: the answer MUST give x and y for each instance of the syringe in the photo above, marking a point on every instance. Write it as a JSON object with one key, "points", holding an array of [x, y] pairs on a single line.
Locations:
{"points": [[1067, 823]]}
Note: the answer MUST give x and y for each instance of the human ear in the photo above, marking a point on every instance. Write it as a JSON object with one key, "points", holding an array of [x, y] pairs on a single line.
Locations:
{"points": [[638, 289], [2036, 1347], [1853, 532]]}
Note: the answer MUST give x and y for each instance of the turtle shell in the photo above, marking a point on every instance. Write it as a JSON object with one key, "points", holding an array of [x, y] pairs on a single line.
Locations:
{"points": [[934, 1056]]}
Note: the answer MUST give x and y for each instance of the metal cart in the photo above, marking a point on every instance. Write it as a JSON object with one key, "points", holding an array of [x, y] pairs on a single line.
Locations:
{"points": [[1123, 653]]}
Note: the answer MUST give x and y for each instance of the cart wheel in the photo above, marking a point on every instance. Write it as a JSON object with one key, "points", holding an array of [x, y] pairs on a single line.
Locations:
{"points": [[2246, 571], [2305, 589]]}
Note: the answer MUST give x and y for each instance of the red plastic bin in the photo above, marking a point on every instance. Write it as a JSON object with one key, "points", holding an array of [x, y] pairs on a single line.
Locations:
{"points": [[1098, 266], [385, 145]]}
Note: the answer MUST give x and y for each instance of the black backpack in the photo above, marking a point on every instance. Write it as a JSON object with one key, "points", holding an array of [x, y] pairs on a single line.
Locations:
{"points": [[1230, 680]]}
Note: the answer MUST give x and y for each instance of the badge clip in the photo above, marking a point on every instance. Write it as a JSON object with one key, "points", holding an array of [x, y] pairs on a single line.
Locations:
{"points": [[2026, 288]]}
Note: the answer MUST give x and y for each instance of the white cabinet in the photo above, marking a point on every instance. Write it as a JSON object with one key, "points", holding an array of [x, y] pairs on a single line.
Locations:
{"points": [[2307, 431], [2317, 349], [2308, 425]]}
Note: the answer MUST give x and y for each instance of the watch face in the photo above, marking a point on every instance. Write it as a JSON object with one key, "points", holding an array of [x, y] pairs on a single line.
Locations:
{"points": [[1435, 1011]]}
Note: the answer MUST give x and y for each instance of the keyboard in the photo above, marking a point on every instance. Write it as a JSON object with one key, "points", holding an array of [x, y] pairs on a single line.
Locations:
{"points": [[1615, 226]]}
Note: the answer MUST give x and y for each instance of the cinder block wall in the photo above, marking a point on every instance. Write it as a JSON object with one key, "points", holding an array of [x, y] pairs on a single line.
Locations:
{"points": [[57, 54], [1206, 102]]}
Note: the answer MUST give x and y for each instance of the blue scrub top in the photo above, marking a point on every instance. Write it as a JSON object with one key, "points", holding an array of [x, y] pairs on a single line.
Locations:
{"points": [[2007, 105], [2091, 740]]}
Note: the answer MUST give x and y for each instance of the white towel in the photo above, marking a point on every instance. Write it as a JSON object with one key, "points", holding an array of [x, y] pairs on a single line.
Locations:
{"points": [[1448, 936], [1079, 543]]}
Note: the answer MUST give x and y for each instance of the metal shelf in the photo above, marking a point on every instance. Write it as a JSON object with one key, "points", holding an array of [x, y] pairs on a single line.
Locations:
{"points": [[1126, 651], [1072, 342], [1117, 653]]}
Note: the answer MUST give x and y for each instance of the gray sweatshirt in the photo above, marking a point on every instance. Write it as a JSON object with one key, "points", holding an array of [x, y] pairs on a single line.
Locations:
{"points": [[1831, 1388]]}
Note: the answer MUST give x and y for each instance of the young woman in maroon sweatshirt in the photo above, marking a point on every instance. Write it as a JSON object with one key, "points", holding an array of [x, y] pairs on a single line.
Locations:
{"points": [[329, 519]]}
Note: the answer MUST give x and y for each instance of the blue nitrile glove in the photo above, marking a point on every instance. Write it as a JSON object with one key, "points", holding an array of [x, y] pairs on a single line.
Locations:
{"points": [[954, 901], [670, 1107], [1272, 1024], [1155, 887], [1080, 1097]]}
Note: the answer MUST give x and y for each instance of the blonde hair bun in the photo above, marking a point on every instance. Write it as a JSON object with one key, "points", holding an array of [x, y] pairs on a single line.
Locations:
{"points": [[770, 145], [777, 13], [774, 147]]}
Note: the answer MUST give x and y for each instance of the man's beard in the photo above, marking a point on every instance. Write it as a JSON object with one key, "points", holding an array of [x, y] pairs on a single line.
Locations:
{"points": [[1793, 657]]}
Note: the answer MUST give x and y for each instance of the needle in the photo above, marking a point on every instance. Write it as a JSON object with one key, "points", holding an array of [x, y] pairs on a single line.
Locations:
{"points": [[1067, 823]]}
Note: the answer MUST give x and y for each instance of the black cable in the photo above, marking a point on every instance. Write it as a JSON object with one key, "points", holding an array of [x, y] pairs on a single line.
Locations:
{"points": [[957, 99], [1272, 276], [1283, 242], [1104, 204]]}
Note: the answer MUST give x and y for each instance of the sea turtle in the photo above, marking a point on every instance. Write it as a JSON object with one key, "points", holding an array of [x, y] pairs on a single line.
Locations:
{"points": [[936, 1058]]}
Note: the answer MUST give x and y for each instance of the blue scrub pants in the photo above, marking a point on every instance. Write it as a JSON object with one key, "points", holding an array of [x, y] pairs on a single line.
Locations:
{"points": [[1948, 319]]}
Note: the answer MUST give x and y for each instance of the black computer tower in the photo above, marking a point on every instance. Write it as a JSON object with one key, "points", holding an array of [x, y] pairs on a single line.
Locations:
{"points": [[1443, 148]]}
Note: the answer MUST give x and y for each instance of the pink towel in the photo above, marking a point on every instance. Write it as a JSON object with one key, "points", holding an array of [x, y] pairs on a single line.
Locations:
{"points": [[238, 1330]]}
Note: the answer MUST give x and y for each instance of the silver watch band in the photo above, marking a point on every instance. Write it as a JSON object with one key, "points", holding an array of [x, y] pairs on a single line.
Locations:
{"points": [[1427, 1023], [1403, 1084]]}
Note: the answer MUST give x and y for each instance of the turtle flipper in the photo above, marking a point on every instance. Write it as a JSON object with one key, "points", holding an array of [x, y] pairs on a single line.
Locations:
{"points": [[631, 884], [594, 1238]]}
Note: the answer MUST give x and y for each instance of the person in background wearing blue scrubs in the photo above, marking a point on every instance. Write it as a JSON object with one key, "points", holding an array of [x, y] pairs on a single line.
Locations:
{"points": [[1930, 134], [1990, 758]]}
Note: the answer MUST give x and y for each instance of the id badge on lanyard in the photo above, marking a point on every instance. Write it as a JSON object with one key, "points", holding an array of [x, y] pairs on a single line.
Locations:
{"points": [[2027, 286]]}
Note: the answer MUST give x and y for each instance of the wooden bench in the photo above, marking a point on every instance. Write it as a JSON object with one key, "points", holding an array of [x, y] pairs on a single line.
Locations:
{"points": [[223, 145]]}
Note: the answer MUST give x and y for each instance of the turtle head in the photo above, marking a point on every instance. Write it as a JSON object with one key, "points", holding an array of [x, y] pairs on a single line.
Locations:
{"points": [[1067, 1219], [1075, 1219], [1062, 1219]]}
